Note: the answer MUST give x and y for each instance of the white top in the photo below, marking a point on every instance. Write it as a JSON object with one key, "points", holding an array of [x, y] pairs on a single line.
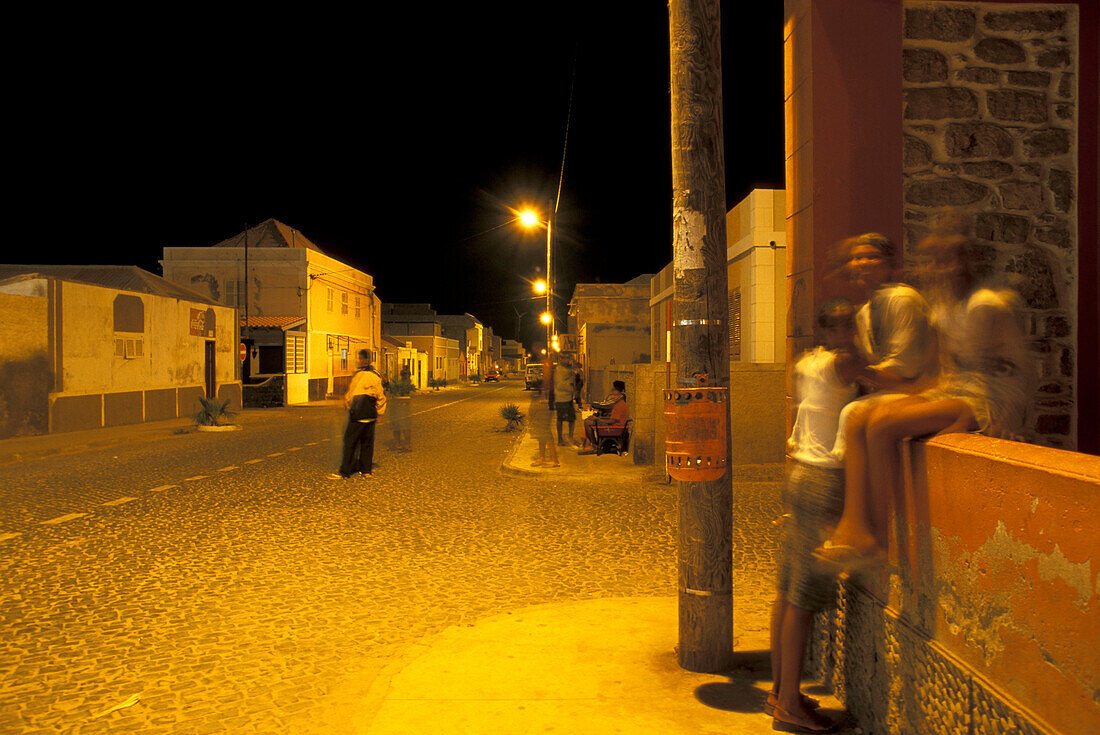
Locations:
{"points": [[893, 332], [821, 395]]}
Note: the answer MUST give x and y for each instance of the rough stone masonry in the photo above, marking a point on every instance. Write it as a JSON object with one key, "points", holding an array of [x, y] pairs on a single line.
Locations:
{"points": [[990, 95]]}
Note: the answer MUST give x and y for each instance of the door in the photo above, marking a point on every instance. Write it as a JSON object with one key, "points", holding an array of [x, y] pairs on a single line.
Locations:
{"points": [[211, 382]]}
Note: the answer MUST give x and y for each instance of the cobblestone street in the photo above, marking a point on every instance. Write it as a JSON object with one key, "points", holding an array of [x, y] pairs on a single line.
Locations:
{"points": [[227, 585]]}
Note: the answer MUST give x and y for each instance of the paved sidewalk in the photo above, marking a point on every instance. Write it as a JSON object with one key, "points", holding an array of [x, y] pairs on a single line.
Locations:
{"points": [[595, 666], [576, 466]]}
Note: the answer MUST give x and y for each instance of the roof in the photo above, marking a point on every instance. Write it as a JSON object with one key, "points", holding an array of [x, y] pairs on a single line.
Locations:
{"points": [[283, 322], [120, 277], [271, 233]]}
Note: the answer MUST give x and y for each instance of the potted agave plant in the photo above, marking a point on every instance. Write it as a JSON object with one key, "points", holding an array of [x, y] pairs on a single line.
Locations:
{"points": [[214, 416]]}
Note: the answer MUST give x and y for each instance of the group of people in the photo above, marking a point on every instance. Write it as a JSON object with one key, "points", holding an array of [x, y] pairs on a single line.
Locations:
{"points": [[560, 396], [893, 362], [368, 396]]}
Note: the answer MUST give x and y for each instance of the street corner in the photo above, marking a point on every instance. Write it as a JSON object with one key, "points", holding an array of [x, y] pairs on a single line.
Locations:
{"points": [[572, 465]]}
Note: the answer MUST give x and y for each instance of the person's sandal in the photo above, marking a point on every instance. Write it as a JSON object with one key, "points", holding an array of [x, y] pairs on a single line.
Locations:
{"points": [[783, 721], [771, 701]]}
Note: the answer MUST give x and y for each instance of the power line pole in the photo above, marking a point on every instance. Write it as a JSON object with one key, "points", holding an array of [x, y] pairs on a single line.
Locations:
{"points": [[700, 309]]}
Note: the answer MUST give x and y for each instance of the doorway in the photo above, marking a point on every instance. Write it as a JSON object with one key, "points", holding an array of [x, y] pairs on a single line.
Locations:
{"points": [[211, 384]]}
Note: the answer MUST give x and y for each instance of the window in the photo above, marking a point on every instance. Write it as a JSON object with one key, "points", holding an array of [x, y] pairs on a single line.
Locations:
{"points": [[358, 312], [735, 324], [295, 353], [344, 302], [232, 297], [331, 295], [129, 324]]}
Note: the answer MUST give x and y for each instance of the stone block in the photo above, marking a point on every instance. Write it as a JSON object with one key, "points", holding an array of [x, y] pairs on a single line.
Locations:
{"points": [[1046, 142], [1017, 105], [1028, 78], [939, 23], [1064, 110], [921, 65], [938, 103], [1061, 187], [1021, 195], [1037, 286], [916, 153], [1024, 21], [978, 75], [1000, 51], [988, 169], [1057, 236], [977, 140], [1066, 85], [1055, 58], [945, 192], [997, 227]]}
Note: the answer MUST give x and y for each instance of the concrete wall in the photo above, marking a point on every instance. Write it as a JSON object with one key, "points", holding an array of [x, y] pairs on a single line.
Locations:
{"points": [[24, 364], [987, 618]]}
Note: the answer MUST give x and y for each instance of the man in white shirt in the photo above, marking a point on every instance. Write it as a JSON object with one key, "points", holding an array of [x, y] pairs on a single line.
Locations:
{"points": [[365, 400]]}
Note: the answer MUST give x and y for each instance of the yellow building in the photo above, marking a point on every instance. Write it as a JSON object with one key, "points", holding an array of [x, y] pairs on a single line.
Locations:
{"points": [[304, 315], [96, 346]]}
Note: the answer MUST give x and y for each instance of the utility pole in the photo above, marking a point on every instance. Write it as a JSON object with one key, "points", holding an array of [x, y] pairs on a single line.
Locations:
{"points": [[700, 313]]}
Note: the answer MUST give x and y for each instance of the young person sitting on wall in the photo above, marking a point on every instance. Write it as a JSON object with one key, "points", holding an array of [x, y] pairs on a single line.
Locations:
{"points": [[984, 384], [618, 415]]}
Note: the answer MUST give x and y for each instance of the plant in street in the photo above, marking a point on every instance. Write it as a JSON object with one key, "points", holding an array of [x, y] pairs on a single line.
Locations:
{"points": [[437, 383], [213, 412], [511, 413]]}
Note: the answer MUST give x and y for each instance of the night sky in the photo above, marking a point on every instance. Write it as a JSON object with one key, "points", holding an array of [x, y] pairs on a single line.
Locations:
{"points": [[395, 141]]}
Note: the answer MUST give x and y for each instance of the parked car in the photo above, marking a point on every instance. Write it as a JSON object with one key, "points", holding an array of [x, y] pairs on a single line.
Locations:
{"points": [[492, 376], [532, 376]]}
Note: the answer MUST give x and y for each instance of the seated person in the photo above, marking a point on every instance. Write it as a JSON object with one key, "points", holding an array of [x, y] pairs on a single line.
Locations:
{"points": [[618, 413]]}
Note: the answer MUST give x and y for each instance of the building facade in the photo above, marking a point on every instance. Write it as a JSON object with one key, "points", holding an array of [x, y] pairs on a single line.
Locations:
{"points": [[98, 346], [304, 314], [608, 330]]}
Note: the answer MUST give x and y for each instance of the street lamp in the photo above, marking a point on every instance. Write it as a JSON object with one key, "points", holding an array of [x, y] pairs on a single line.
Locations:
{"points": [[529, 218]]}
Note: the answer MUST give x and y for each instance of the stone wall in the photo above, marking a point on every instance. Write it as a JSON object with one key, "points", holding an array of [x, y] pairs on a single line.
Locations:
{"points": [[990, 109]]}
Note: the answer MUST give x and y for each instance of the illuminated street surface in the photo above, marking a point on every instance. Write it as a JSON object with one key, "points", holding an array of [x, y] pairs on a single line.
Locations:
{"points": [[218, 582]]}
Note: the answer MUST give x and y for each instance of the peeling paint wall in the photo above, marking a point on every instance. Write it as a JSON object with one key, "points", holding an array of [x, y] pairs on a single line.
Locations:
{"points": [[993, 581]]}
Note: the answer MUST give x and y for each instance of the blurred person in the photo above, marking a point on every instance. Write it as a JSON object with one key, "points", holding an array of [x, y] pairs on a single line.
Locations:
{"points": [[894, 335], [538, 414], [400, 409], [825, 381], [564, 412], [365, 400], [984, 383]]}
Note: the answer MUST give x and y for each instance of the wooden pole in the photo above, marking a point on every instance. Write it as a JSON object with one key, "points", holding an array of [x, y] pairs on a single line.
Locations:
{"points": [[700, 312]]}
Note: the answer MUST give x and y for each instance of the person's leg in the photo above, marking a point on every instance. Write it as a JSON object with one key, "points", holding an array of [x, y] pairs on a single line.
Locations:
{"points": [[558, 421], [853, 528], [572, 427], [779, 609], [366, 448], [351, 446], [890, 424], [791, 707], [552, 461]]}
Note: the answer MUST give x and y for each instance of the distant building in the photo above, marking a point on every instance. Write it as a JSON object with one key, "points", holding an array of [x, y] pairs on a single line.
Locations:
{"points": [[512, 356], [98, 345], [610, 323], [418, 325], [304, 314]]}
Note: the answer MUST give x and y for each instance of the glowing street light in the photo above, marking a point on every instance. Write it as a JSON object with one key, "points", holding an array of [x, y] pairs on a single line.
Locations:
{"points": [[540, 287], [545, 318], [529, 218]]}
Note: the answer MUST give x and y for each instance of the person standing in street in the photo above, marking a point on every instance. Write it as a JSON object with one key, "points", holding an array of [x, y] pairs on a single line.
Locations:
{"points": [[401, 410], [365, 400], [564, 385]]}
